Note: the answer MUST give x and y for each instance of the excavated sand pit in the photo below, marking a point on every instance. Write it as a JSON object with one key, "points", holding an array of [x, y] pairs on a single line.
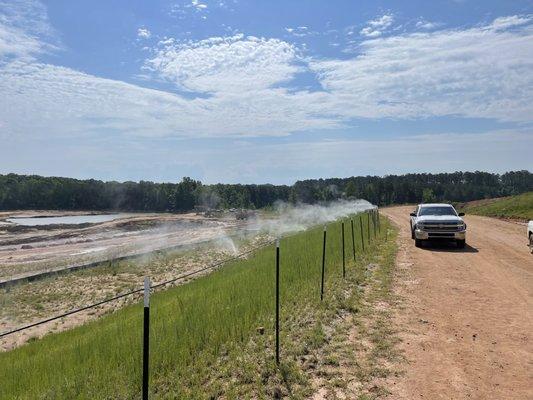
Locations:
{"points": [[30, 250]]}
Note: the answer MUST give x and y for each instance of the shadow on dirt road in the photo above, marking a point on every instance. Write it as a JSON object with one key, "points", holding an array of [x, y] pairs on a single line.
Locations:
{"points": [[447, 247]]}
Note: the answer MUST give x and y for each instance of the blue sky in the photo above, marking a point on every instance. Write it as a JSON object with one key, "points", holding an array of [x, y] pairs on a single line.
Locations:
{"points": [[264, 91]]}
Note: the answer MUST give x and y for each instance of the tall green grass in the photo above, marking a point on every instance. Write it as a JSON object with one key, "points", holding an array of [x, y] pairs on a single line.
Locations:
{"points": [[519, 207], [191, 326]]}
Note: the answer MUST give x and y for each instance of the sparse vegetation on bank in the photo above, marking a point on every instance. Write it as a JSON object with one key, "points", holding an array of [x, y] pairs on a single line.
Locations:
{"points": [[513, 207]]}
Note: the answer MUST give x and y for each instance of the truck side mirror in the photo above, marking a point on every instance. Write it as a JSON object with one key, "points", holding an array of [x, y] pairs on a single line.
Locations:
{"points": [[461, 214], [413, 214]]}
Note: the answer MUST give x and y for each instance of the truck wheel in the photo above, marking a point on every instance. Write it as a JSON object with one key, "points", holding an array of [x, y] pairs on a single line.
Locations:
{"points": [[418, 242], [461, 244], [412, 233], [531, 242]]}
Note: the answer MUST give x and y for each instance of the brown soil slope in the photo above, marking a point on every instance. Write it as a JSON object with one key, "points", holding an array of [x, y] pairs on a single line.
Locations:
{"points": [[467, 325]]}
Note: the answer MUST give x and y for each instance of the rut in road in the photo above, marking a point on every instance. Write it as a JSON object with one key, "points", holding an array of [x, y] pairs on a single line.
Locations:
{"points": [[467, 322]]}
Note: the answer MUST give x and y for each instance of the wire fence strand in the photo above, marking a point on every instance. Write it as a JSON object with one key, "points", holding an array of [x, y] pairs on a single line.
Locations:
{"points": [[132, 292]]}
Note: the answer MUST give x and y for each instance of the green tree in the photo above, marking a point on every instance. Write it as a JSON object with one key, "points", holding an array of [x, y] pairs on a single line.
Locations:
{"points": [[351, 190], [428, 196]]}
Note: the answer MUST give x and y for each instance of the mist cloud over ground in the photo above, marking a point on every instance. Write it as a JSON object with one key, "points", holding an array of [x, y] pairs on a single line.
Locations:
{"points": [[293, 218]]}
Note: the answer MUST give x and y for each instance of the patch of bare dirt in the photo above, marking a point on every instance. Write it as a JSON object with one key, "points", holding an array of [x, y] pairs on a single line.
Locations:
{"points": [[31, 250]]}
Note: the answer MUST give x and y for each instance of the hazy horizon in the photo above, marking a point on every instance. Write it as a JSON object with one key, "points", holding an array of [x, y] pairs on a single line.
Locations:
{"points": [[179, 179]]}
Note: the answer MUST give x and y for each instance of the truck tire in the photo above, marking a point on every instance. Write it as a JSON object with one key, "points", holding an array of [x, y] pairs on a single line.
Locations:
{"points": [[418, 242], [461, 244], [531, 242], [412, 233]]}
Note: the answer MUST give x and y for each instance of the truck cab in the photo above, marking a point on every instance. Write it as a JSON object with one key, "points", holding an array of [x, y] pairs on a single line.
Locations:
{"points": [[437, 221]]}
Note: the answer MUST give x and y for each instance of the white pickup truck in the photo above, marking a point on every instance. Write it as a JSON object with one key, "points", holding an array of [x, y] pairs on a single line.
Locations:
{"points": [[437, 221], [530, 235]]}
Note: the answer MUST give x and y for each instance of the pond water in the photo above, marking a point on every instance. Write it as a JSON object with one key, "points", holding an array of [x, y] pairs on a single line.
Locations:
{"points": [[67, 219]]}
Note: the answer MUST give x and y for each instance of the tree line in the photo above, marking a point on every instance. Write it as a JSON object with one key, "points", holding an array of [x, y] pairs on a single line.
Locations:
{"points": [[18, 192]]}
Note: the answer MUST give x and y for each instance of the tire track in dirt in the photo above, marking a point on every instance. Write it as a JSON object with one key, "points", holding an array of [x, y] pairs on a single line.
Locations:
{"points": [[467, 320]]}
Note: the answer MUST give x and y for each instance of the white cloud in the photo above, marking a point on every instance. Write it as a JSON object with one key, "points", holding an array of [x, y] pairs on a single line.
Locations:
{"points": [[14, 42], [24, 29], [484, 71], [427, 25], [225, 64], [144, 33], [369, 32], [510, 21], [301, 31], [40, 99], [193, 9], [378, 26], [199, 6], [382, 22]]}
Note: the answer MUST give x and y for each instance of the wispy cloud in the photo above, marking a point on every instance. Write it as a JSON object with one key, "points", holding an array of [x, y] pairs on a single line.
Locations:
{"points": [[194, 8], [198, 5], [503, 23], [143, 33], [24, 29], [484, 71], [300, 31], [427, 25], [41, 99], [376, 27], [225, 64]]}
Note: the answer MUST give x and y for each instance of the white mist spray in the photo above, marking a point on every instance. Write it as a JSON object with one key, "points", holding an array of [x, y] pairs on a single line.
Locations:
{"points": [[294, 218]]}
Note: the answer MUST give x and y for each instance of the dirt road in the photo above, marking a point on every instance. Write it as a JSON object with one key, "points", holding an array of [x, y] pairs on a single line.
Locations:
{"points": [[467, 324]]}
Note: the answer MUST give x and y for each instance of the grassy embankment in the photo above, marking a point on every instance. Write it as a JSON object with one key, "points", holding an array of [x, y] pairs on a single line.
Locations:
{"points": [[205, 341], [515, 207]]}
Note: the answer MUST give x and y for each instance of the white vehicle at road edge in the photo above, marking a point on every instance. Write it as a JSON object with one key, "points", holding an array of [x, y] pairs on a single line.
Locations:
{"points": [[530, 235], [437, 221]]}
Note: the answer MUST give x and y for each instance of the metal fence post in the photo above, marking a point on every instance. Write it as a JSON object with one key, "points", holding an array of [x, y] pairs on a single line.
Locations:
{"points": [[368, 225], [323, 265], [277, 302], [146, 338], [374, 227], [353, 240], [343, 253], [362, 232]]}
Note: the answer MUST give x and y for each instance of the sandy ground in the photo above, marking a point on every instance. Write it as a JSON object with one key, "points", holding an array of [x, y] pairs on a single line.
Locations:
{"points": [[31, 250], [467, 321]]}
